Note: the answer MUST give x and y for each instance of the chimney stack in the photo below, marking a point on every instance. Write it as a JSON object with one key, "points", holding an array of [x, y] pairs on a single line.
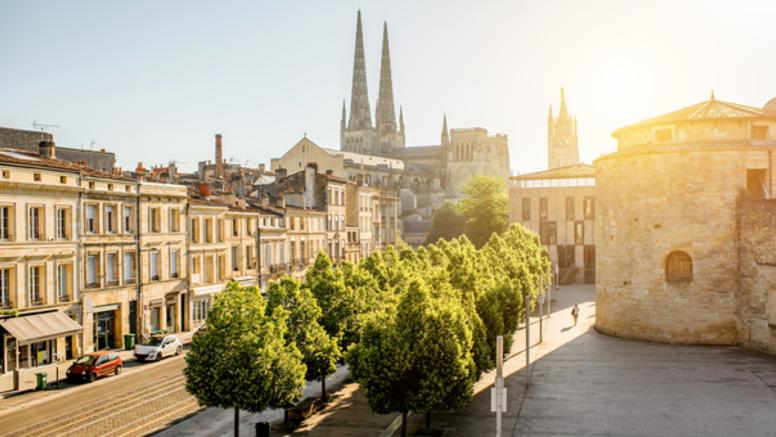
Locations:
{"points": [[47, 149], [262, 168], [219, 157]]}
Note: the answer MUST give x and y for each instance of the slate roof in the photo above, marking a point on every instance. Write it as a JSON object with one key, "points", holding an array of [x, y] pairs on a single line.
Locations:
{"points": [[711, 109]]}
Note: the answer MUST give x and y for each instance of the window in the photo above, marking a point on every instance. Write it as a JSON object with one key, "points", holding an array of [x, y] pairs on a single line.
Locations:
{"points": [[209, 270], [110, 187], [110, 219], [155, 220], [195, 230], [199, 310], [548, 233], [175, 220], [526, 209], [589, 207], [91, 219], [221, 267], [36, 177], [36, 283], [235, 227], [220, 230], [235, 258], [663, 135], [678, 267], [570, 208], [36, 223], [543, 209], [208, 230], [93, 271], [64, 282], [63, 223], [112, 269], [6, 222], [129, 222], [759, 132], [566, 255], [174, 257], [129, 267], [579, 233], [6, 280], [249, 257], [91, 185], [756, 183], [249, 226], [63, 179], [154, 258], [196, 267], [6, 174]]}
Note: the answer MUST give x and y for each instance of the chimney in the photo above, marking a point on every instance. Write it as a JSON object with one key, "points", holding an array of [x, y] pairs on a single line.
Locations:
{"points": [[280, 174], [282, 199], [219, 157], [360, 179], [329, 172], [204, 189], [47, 149], [172, 171], [262, 168]]}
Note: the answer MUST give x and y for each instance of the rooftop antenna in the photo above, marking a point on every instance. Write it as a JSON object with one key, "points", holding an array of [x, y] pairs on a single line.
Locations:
{"points": [[43, 126], [92, 144]]}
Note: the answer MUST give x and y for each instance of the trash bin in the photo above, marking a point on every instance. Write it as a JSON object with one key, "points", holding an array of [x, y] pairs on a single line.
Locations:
{"points": [[129, 341], [262, 429], [41, 381]]}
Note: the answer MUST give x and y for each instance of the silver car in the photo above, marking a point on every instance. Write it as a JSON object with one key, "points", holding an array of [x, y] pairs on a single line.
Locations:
{"points": [[156, 347]]}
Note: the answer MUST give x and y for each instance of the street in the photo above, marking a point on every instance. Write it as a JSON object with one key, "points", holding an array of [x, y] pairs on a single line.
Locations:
{"points": [[132, 404]]}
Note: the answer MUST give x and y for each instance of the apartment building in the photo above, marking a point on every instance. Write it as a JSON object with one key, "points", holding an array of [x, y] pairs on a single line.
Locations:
{"points": [[207, 256]]}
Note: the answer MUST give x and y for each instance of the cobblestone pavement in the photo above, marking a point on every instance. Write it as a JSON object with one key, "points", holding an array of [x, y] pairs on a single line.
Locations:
{"points": [[128, 405]]}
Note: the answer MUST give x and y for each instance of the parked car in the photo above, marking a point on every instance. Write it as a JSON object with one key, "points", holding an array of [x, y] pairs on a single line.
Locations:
{"points": [[156, 347], [91, 366]]}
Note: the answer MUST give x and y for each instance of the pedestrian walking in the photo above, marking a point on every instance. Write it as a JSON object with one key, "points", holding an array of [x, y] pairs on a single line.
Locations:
{"points": [[575, 313]]}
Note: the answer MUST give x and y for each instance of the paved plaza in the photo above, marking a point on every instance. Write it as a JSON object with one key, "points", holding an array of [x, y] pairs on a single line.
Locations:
{"points": [[586, 383]]}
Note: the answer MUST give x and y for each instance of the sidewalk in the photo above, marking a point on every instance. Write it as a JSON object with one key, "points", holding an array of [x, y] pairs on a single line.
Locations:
{"points": [[13, 399]]}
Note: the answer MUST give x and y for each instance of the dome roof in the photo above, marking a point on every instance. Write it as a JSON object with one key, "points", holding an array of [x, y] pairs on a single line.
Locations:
{"points": [[770, 107]]}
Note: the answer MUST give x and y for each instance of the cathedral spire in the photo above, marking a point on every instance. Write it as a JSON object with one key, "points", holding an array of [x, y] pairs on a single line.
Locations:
{"points": [[401, 119], [360, 117], [563, 114], [344, 116], [445, 132], [386, 114]]}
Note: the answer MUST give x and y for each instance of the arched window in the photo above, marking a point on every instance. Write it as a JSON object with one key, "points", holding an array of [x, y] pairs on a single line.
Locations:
{"points": [[678, 267]]}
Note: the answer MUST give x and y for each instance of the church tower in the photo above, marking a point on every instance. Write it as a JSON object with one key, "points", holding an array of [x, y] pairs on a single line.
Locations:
{"points": [[359, 135], [389, 135], [562, 149]]}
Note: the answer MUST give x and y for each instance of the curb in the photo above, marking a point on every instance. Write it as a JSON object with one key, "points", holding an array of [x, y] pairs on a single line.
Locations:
{"points": [[393, 426]]}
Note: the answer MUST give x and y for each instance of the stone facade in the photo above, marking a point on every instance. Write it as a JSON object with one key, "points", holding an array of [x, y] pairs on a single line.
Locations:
{"points": [[562, 146], [473, 152], [677, 259]]}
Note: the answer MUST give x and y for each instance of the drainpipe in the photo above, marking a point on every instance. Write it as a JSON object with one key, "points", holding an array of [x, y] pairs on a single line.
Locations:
{"points": [[140, 312], [77, 268], [187, 310]]}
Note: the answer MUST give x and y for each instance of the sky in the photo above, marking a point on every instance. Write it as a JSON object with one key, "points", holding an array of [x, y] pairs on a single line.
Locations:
{"points": [[154, 81]]}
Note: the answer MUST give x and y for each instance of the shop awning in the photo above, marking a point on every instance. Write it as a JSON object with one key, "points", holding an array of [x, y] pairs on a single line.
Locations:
{"points": [[40, 327]]}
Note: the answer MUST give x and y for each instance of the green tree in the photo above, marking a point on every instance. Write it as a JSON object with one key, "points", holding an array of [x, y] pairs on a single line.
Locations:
{"points": [[446, 223], [328, 288], [484, 207], [244, 361], [417, 358], [320, 352]]}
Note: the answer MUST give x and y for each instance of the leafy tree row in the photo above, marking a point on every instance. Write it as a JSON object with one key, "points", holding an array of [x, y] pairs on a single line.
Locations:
{"points": [[416, 327]]}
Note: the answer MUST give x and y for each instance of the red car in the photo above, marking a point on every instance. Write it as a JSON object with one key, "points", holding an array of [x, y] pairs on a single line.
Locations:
{"points": [[91, 366]]}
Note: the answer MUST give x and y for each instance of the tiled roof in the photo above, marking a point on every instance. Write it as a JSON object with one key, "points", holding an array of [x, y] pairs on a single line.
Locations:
{"points": [[22, 157], [712, 109], [569, 171]]}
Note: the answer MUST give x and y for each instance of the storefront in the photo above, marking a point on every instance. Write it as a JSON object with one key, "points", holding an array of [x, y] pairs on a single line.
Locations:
{"points": [[37, 339], [105, 328]]}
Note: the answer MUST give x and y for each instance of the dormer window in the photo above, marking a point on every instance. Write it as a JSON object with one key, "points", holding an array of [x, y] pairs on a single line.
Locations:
{"points": [[663, 135], [759, 132]]}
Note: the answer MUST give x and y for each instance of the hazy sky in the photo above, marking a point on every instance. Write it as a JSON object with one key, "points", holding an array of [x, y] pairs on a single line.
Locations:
{"points": [[154, 81]]}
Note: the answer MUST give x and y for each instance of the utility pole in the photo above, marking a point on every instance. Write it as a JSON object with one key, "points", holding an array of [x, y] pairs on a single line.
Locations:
{"points": [[498, 394]]}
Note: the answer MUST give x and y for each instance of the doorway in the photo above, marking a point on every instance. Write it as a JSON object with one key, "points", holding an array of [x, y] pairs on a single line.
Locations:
{"points": [[171, 310], [104, 323]]}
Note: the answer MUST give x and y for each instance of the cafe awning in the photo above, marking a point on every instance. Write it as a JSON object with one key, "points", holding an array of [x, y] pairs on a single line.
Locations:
{"points": [[40, 327]]}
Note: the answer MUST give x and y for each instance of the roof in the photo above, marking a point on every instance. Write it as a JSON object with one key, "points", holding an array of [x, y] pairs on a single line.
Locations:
{"points": [[417, 150], [26, 158], [358, 159], [569, 171], [40, 327], [711, 109]]}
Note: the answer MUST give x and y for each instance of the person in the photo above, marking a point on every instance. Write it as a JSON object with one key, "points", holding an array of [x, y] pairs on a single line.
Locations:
{"points": [[575, 313]]}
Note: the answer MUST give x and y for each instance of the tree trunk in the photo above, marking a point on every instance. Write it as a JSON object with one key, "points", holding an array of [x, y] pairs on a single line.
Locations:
{"points": [[236, 422], [323, 387], [403, 424], [285, 415], [428, 422]]}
